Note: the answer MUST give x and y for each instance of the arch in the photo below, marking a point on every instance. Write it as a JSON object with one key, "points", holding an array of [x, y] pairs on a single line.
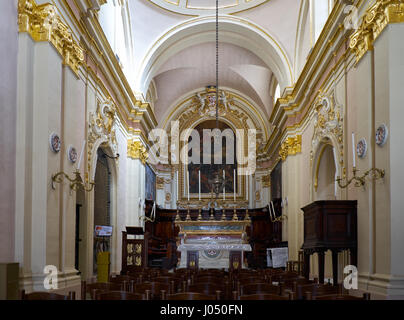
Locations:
{"points": [[234, 30], [257, 116], [109, 150], [326, 145], [101, 133]]}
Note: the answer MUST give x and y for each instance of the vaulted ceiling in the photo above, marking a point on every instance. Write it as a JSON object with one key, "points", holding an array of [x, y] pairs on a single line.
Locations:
{"points": [[175, 47]]}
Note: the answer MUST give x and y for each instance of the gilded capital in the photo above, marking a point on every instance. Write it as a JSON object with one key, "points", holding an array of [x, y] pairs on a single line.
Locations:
{"points": [[375, 20], [136, 150], [43, 23], [291, 146]]}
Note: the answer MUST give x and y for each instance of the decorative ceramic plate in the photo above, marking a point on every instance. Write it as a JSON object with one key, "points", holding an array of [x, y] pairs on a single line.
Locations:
{"points": [[72, 154], [361, 148], [54, 142], [381, 135]]}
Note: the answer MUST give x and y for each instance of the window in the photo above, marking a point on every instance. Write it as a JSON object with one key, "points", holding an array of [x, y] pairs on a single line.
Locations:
{"points": [[319, 12]]}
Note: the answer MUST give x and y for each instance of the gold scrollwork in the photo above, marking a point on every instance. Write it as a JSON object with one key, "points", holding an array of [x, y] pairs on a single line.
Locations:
{"points": [[138, 248], [136, 150], [266, 181], [138, 261], [44, 24], [375, 20], [291, 146]]}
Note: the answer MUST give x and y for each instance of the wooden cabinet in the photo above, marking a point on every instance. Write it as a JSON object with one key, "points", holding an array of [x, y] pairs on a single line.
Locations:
{"points": [[329, 225]]}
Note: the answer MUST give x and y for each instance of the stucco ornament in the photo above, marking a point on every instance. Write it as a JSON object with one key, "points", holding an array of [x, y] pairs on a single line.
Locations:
{"points": [[328, 124]]}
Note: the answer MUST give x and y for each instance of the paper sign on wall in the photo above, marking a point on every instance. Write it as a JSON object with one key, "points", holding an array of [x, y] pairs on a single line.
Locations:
{"points": [[277, 257], [103, 231]]}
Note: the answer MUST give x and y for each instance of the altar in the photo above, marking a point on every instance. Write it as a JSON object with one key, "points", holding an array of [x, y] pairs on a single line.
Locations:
{"points": [[212, 244]]}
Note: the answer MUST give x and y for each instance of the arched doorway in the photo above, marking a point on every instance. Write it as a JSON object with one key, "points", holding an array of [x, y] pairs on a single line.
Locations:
{"points": [[80, 233], [102, 204], [324, 185]]}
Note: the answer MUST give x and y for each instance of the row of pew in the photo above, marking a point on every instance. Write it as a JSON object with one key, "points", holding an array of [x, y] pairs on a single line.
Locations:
{"points": [[214, 284]]}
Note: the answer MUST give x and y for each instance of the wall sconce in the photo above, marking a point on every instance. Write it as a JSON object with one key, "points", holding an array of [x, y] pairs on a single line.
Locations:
{"points": [[75, 183], [374, 173]]}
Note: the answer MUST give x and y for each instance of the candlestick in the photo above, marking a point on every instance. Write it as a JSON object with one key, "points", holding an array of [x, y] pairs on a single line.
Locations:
{"points": [[199, 176], [234, 184], [81, 154], [224, 186], [353, 150]]}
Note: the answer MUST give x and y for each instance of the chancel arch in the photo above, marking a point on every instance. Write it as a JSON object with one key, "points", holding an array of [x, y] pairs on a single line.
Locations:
{"points": [[234, 30], [235, 112]]}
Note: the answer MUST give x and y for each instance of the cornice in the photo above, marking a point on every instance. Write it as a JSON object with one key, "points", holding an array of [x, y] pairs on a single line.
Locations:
{"points": [[44, 24], [291, 110], [374, 21], [113, 81]]}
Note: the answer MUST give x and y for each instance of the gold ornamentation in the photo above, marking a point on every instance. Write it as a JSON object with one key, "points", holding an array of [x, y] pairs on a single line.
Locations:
{"points": [[266, 181], [138, 261], [75, 183], [374, 173], [291, 146], [328, 129], [257, 195], [138, 248], [101, 130], [375, 20], [202, 106], [44, 24], [160, 183], [136, 150]]}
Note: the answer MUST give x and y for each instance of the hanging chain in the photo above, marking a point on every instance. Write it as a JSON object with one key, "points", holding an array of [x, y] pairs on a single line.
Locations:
{"points": [[217, 64]]}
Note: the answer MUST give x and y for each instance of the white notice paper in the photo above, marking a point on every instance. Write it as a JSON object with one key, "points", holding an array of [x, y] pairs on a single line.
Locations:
{"points": [[279, 257]]}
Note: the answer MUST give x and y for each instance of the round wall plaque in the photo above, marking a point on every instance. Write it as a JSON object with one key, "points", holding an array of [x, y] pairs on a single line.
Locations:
{"points": [[72, 154], [54, 142], [361, 148], [381, 135]]}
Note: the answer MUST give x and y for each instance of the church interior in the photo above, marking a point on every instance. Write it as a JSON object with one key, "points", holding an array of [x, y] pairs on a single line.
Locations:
{"points": [[201, 150]]}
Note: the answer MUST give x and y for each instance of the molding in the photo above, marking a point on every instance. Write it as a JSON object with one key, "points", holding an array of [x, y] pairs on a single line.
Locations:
{"points": [[44, 24], [375, 20]]}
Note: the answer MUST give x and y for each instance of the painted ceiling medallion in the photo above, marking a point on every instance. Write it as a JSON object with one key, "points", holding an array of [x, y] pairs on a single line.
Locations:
{"points": [[72, 154], [206, 7], [55, 142], [361, 148], [381, 135]]}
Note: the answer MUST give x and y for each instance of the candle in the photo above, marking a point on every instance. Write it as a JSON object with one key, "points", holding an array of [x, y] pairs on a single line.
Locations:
{"points": [[81, 154], [234, 184], [353, 150], [224, 186], [199, 174]]}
